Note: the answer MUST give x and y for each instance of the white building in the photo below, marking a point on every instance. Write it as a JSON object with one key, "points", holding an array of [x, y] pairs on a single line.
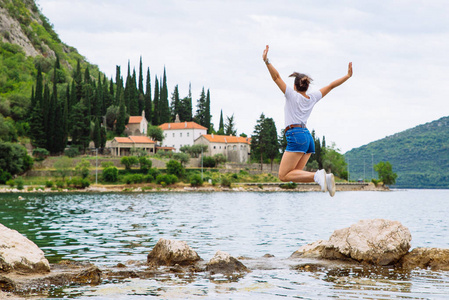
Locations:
{"points": [[234, 148], [180, 134]]}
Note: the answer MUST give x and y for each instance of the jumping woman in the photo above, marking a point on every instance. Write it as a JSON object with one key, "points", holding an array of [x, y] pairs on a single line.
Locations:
{"points": [[300, 144]]}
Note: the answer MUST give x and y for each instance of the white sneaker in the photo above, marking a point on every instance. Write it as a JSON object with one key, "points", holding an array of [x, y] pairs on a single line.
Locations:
{"points": [[320, 178], [330, 184]]}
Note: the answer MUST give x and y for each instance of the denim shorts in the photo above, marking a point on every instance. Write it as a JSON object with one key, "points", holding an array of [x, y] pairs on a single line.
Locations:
{"points": [[299, 140]]}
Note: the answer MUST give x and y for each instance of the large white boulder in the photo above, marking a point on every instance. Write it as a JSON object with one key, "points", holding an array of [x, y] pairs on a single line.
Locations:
{"points": [[17, 253], [170, 252], [377, 241]]}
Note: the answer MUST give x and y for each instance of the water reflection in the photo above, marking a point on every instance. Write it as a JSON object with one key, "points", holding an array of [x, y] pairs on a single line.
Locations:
{"points": [[111, 228]]}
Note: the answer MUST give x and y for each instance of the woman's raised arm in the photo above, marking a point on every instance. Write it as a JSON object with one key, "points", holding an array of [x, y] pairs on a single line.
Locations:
{"points": [[273, 72], [325, 90]]}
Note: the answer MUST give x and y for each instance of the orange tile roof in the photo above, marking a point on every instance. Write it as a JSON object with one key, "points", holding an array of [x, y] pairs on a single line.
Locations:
{"points": [[214, 138], [134, 140], [135, 119], [181, 125]]}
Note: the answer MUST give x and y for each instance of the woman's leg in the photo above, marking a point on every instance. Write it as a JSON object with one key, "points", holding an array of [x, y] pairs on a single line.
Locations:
{"points": [[292, 165]]}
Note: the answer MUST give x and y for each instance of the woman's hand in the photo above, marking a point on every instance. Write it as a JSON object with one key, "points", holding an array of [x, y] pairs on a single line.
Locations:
{"points": [[350, 69], [265, 53]]}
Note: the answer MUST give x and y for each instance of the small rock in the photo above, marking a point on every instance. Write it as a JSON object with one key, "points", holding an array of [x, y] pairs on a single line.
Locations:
{"points": [[433, 258], [17, 253], [313, 250], [223, 263], [170, 252]]}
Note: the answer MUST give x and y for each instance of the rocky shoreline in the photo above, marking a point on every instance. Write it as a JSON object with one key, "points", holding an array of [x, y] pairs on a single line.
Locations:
{"points": [[236, 187], [376, 245]]}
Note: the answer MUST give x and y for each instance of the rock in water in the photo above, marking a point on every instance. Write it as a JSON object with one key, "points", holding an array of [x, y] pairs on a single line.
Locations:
{"points": [[17, 253], [378, 241], [433, 258], [223, 263], [170, 252]]}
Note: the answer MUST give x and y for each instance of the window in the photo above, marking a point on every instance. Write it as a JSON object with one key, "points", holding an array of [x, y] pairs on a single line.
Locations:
{"points": [[165, 135], [173, 134], [215, 147], [180, 135], [188, 134], [220, 147]]}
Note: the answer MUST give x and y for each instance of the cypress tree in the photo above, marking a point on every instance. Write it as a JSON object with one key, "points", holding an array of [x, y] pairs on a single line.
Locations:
{"points": [[175, 104], [38, 135], [119, 84], [121, 118], [97, 134], [156, 103], [148, 102], [45, 106], [134, 97], [102, 138], [140, 77], [221, 126], [207, 115], [164, 108], [78, 78]]}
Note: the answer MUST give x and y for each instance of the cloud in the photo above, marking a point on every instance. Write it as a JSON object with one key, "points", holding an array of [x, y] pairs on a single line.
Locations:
{"points": [[399, 50]]}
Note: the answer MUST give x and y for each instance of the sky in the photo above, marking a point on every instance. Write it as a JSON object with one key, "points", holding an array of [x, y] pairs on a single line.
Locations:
{"points": [[399, 50]]}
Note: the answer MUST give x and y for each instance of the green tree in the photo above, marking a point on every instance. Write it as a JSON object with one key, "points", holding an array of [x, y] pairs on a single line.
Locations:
{"points": [[121, 119], [201, 111], [183, 158], [185, 111], [221, 126], [14, 158], [207, 116], [175, 104], [174, 167], [155, 133], [264, 141], [97, 134], [230, 126], [148, 102], [145, 163], [385, 171], [335, 162], [156, 112], [164, 109], [83, 168]]}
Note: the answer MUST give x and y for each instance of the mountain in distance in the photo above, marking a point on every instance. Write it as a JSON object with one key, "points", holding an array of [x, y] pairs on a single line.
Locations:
{"points": [[420, 156]]}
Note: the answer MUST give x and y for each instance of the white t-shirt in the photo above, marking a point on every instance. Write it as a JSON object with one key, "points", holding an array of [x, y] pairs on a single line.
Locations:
{"points": [[298, 108]]}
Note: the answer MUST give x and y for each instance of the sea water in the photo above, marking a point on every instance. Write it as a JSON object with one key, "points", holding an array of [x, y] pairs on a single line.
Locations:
{"points": [[111, 228]]}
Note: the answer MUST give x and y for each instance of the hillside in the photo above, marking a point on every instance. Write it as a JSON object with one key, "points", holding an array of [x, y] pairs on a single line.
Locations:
{"points": [[27, 40], [420, 156]]}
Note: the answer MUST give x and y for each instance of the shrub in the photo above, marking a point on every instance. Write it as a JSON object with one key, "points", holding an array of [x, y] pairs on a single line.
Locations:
{"points": [[196, 180], [145, 163], [79, 183], [110, 174], [166, 179], [60, 184], [40, 154], [219, 158], [83, 168], [225, 182], [134, 178], [106, 164], [4, 176], [153, 172], [48, 183], [209, 162], [288, 186], [19, 183], [72, 152], [235, 176], [11, 183], [174, 167]]}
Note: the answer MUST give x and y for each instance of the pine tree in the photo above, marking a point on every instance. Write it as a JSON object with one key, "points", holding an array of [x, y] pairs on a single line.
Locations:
{"points": [[230, 126], [200, 116], [78, 78], [38, 135], [80, 130], [186, 107], [119, 85], [148, 102], [134, 97]]}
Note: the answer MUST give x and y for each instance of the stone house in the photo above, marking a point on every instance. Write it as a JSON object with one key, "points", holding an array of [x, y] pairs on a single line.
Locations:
{"points": [[180, 134], [137, 125], [234, 148], [122, 146]]}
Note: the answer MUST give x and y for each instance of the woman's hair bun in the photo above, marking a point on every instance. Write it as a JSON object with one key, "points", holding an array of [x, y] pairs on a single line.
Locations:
{"points": [[302, 81]]}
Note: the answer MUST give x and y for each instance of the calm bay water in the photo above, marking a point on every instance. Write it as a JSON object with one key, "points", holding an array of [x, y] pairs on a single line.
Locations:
{"points": [[110, 228]]}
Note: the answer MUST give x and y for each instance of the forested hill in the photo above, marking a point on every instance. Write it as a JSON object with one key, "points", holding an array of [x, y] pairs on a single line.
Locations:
{"points": [[27, 39], [420, 156]]}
